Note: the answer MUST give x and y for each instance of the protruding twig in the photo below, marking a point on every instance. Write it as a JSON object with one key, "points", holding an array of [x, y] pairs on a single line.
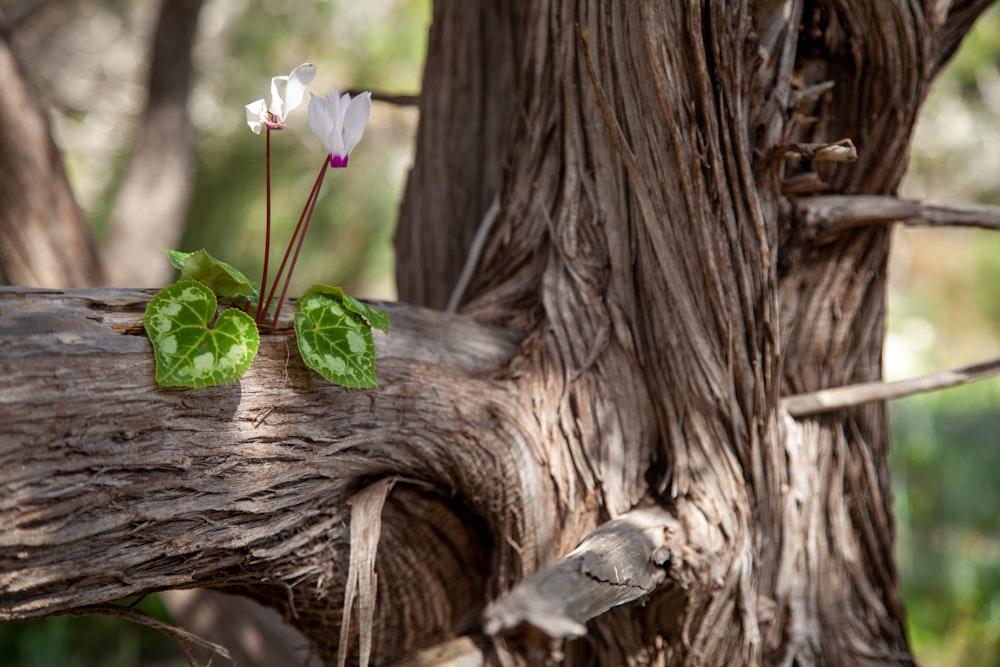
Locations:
{"points": [[803, 183], [838, 151], [837, 398], [183, 638], [824, 216]]}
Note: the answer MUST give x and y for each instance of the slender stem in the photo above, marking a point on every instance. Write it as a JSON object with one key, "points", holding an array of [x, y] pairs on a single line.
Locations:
{"points": [[259, 316], [306, 210], [298, 228], [310, 207]]}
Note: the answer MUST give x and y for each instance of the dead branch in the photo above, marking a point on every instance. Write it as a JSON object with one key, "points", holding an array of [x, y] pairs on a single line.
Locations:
{"points": [[837, 151], [825, 216], [838, 398], [185, 640], [622, 561]]}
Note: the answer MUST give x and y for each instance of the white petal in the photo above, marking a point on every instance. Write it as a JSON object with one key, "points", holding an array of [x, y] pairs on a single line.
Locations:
{"points": [[255, 114], [337, 146], [295, 88], [355, 120], [319, 120], [278, 85], [333, 107]]}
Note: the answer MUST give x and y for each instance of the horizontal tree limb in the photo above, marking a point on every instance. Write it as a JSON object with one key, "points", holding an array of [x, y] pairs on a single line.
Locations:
{"points": [[838, 398], [824, 216], [114, 486]]}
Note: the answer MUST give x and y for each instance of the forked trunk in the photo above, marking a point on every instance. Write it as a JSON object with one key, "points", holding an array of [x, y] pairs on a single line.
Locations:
{"points": [[646, 243], [591, 461]]}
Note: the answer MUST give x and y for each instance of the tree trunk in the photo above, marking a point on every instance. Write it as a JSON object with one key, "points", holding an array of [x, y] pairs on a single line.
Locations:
{"points": [[592, 461], [44, 239]]}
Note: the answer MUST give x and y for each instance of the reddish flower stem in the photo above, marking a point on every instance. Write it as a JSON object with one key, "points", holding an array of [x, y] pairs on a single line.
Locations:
{"points": [[300, 234], [260, 314]]}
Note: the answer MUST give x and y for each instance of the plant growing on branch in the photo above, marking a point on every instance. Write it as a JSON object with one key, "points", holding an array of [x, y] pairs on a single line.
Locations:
{"points": [[200, 329]]}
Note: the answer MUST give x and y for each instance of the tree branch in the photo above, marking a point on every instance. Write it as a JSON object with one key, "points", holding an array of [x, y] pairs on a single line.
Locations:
{"points": [[114, 486], [823, 217], [837, 398], [620, 562], [184, 639]]}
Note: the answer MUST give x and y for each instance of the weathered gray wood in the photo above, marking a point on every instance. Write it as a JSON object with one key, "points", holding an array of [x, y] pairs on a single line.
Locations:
{"points": [[114, 486], [838, 398], [824, 217], [621, 561]]}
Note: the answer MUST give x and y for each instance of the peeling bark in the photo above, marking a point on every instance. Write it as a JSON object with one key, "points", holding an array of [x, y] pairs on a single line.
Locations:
{"points": [[114, 486]]}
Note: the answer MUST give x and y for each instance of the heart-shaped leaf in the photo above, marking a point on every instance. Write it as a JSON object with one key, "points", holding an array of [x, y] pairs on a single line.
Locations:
{"points": [[376, 317], [225, 280], [335, 337], [192, 351]]}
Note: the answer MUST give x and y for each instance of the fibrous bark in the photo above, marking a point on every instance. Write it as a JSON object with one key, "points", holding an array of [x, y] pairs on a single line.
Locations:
{"points": [[113, 487], [645, 297]]}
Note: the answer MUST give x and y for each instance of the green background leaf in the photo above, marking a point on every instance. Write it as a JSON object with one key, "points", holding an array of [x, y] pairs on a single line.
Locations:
{"points": [[188, 353], [334, 341]]}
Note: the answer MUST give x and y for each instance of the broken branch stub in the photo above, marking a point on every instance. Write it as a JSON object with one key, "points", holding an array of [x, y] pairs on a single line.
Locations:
{"points": [[620, 562]]}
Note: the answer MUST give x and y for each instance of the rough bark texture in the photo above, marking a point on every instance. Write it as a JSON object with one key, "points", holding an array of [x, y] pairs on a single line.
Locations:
{"points": [[113, 487], [473, 58], [44, 239], [645, 297]]}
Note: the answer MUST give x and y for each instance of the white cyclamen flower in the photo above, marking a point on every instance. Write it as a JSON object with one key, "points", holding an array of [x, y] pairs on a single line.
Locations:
{"points": [[286, 94], [339, 122]]}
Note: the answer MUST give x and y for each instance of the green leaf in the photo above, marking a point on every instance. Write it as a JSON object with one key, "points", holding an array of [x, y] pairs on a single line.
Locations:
{"points": [[225, 280], [176, 257], [334, 335], [189, 350], [376, 317]]}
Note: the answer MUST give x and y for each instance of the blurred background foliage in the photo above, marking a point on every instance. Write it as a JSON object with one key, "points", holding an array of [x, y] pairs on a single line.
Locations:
{"points": [[88, 59], [944, 311]]}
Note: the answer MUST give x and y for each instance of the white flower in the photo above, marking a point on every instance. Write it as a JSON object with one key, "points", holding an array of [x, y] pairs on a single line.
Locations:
{"points": [[286, 94], [339, 122]]}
